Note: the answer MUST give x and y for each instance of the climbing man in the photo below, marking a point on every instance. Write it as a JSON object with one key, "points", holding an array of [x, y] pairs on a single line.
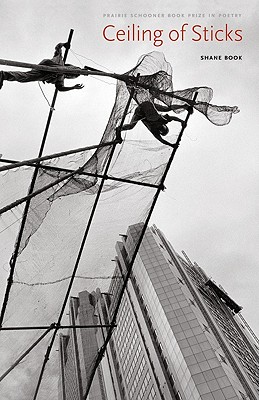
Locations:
{"points": [[45, 76], [148, 113]]}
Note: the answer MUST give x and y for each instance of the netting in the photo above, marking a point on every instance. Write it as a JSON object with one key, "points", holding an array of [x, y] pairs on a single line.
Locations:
{"points": [[52, 247], [156, 76]]}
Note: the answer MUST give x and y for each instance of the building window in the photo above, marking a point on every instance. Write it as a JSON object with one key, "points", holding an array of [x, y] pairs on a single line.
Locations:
{"points": [[178, 396], [222, 359], [243, 395], [166, 363], [152, 394], [155, 334], [144, 386], [206, 328], [171, 378]]}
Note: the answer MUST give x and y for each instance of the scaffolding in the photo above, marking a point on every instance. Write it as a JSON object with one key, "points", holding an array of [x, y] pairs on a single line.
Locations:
{"points": [[36, 163]]}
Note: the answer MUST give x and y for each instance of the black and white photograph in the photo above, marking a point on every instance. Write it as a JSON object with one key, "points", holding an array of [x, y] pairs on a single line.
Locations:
{"points": [[129, 200]]}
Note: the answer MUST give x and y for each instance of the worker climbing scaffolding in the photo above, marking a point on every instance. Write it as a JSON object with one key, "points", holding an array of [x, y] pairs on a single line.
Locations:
{"points": [[147, 112], [154, 82], [58, 215], [154, 93], [45, 77]]}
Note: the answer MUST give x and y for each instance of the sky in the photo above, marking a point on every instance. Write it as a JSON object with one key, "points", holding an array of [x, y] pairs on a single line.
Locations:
{"points": [[210, 206]]}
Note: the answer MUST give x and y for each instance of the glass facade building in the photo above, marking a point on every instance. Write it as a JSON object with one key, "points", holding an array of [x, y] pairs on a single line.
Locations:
{"points": [[179, 335], [78, 349]]}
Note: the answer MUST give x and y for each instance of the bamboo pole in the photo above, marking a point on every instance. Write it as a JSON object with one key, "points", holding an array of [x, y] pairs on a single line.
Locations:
{"points": [[80, 252], [39, 191], [62, 70], [130, 267], [84, 71], [84, 173], [53, 326], [32, 161], [48, 329], [27, 205]]}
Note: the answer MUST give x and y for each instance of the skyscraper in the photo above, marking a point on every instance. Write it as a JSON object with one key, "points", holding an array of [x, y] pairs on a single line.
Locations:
{"points": [[78, 350], [179, 335]]}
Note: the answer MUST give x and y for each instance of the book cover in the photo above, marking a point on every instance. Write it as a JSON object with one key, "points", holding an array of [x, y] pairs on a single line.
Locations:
{"points": [[209, 206]]}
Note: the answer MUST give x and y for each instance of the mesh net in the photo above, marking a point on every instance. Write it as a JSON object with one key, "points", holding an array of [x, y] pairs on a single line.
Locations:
{"points": [[157, 84], [52, 246]]}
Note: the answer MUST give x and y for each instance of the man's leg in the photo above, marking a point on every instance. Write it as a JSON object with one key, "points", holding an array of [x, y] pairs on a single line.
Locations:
{"points": [[170, 118], [128, 127], [22, 77], [134, 120]]}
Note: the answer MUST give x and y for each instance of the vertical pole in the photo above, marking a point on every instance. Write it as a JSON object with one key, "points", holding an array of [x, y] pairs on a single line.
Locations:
{"points": [[27, 205], [46, 358], [130, 267]]}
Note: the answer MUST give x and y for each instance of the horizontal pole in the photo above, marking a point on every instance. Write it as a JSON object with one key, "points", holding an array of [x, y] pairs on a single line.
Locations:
{"points": [[39, 191], [48, 329], [54, 326], [84, 71], [132, 260], [31, 161], [13, 260], [61, 70]]}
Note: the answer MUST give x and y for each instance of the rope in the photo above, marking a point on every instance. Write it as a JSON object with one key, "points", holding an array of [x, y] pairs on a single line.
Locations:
{"points": [[66, 278], [52, 108], [89, 59]]}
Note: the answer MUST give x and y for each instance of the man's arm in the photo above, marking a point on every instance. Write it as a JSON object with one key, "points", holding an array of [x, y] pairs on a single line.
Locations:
{"points": [[172, 107], [162, 140], [128, 127], [58, 51], [62, 88], [170, 118], [162, 108]]}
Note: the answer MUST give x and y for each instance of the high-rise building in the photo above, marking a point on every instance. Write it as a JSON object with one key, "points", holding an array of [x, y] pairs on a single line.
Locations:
{"points": [[78, 351], [179, 335]]}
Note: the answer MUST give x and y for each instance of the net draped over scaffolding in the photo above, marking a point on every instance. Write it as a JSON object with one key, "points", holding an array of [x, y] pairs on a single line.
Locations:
{"points": [[156, 74], [57, 220]]}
